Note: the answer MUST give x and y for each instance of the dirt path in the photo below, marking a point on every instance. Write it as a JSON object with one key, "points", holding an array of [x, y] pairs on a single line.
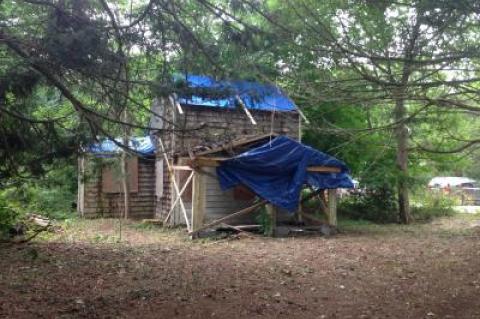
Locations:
{"points": [[430, 271]]}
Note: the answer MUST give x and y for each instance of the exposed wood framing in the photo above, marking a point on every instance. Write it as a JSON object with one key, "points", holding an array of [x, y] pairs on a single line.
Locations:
{"points": [[245, 109], [174, 204], [236, 143], [81, 186], [181, 168], [299, 128], [303, 116], [215, 161], [236, 214], [174, 101], [323, 169], [175, 185], [332, 207], [198, 200], [207, 161]]}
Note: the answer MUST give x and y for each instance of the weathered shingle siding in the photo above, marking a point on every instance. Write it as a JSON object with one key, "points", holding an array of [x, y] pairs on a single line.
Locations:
{"points": [[197, 126], [98, 204], [201, 125], [222, 125]]}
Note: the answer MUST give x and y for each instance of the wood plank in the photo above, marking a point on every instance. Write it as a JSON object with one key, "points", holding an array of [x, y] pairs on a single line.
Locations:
{"points": [[81, 186], [236, 214], [323, 169], [302, 115], [216, 161], [198, 201], [174, 101], [184, 187], [181, 168], [112, 178], [332, 207], [236, 143], [245, 109], [174, 182], [206, 161]]}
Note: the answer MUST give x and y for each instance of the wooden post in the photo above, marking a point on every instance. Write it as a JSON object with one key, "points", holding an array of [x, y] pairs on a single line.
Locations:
{"points": [[81, 186], [198, 200], [125, 190], [272, 214], [332, 207]]}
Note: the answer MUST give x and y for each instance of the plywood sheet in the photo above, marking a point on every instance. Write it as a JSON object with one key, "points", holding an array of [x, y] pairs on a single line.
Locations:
{"points": [[112, 177]]}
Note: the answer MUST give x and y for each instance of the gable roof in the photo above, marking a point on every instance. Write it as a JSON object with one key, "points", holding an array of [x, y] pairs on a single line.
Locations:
{"points": [[201, 90]]}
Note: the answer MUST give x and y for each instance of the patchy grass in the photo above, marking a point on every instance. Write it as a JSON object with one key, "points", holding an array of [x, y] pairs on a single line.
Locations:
{"points": [[429, 270], [111, 231]]}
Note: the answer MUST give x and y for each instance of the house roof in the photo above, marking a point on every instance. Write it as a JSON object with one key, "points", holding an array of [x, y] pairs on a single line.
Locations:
{"points": [[201, 90], [143, 145]]}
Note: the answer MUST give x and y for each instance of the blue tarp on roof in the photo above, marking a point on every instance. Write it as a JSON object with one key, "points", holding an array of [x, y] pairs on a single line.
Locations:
{"points": [[277, 171], [206, 91], [142, 145]]}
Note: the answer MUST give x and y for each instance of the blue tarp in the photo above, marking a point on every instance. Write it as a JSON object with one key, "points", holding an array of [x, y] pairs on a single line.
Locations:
{"points": [[206, 91], [277, 171], [142, 145]]}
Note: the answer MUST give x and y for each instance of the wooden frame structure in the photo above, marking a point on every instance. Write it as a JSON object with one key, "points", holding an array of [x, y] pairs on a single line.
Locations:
{"points": [[196, 165]]}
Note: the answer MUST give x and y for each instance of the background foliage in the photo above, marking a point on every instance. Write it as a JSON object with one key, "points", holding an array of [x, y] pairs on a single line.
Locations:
{"points": [[72, 71]]}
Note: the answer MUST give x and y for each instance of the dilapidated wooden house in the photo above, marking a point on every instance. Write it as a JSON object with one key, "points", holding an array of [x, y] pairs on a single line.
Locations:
{"points": [[204, 124], [213, 115], [99, 180]]}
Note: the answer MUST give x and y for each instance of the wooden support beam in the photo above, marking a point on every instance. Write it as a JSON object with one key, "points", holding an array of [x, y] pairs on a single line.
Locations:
{"points": [[302, 115], [216, 161], [245, 109], [198, 200], [323, 169], [81, 186], [237, 143], [236, 214], [174, 181], [272, 218], [332, 207], [208, 161], [181, 168], [184, 187], [174, 101]]}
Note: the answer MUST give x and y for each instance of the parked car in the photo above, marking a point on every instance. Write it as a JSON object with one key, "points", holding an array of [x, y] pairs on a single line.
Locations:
{"points": [[465, 188]]}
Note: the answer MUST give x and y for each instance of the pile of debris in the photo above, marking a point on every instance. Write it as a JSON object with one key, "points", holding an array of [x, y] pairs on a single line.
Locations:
{"points": [[30, 227]]}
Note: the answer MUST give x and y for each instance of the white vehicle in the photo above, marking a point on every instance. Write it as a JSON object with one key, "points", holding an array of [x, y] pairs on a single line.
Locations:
{"points": [[458, 182], [466, 188]]}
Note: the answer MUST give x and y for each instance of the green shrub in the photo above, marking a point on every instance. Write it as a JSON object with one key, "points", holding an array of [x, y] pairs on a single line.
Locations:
{"points": [[377, 205], [51, 195], [264, 220], [55, 202], [433, 205], [8, 218]]}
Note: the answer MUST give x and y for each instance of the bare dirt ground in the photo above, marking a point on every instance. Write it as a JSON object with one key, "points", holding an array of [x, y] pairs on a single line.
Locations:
{"points": [[368, 271]]}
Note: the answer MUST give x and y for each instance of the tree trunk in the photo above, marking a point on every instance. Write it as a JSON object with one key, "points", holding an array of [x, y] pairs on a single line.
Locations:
{"points": [[401, 134], [124, 170]]}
